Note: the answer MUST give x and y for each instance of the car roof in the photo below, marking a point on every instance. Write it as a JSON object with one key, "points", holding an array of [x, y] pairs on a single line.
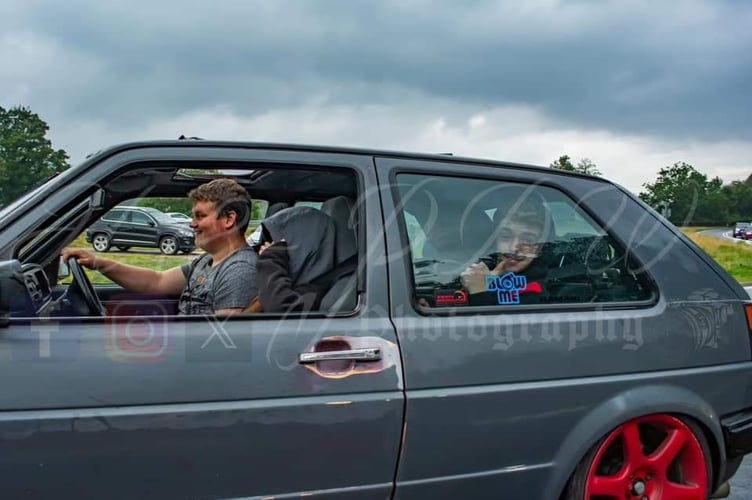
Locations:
{"points": [[129, 207], [444, 157]]}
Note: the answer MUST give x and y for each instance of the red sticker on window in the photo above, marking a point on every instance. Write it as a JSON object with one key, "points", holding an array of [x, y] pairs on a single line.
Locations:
{"points": [[451, 298]]}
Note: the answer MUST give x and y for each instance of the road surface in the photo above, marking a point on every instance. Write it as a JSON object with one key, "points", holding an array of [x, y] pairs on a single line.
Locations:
{"points": [[741, 483]]}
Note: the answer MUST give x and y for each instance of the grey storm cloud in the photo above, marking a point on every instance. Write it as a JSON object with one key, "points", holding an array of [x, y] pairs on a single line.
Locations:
{"points": [[673, 69]]}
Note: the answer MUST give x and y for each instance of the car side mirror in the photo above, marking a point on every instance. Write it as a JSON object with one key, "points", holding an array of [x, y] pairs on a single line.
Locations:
{"points": [[97, 199], [63, 271], [14, 296], [152, 223]]}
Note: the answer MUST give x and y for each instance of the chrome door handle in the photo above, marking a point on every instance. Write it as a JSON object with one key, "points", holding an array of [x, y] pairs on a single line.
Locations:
{"points": [[367, 354]]}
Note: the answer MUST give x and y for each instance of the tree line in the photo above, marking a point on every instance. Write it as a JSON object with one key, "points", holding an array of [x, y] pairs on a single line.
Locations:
{"points": [[686, 196], [680, 192], [27, 159]]}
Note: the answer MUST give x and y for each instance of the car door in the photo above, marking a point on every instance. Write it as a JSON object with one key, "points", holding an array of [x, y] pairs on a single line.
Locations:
{"points": [[143, 229], [116, 222], [129, 406], [503, 383]]}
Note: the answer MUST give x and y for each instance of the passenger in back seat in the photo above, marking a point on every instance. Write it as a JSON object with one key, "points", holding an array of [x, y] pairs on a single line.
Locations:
{"points": [[297, 247], [514, 273]]}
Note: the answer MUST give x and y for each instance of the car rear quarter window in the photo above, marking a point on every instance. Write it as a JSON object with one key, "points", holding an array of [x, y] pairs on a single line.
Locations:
{"points": [[477, 242], [115, 216], [139, 218]]}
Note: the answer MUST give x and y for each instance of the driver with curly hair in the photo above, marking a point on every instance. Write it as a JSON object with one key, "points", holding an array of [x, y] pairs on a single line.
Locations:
{"points": [[222, 281]]}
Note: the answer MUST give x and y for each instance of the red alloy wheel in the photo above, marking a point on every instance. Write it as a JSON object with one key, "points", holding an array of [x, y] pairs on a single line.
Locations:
{"points": [[649, 458]]}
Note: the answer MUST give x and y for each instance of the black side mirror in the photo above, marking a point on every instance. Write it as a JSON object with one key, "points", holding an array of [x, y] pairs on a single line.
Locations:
{"points": [[14, 297]]}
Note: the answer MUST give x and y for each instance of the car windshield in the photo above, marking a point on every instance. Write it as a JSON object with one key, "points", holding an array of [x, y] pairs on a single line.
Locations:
{"points": [[160, 216]]}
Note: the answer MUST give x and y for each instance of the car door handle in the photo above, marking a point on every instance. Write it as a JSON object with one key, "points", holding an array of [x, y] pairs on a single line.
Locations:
{"points": [[367, 354]]}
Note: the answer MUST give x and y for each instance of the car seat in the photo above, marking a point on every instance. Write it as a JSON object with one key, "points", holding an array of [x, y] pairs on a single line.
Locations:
{"points": [[341, 209], [342, 296]]}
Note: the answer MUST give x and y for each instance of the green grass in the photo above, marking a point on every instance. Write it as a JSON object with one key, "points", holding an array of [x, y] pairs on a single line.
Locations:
{"points": [[734, 256], [693, 230]]}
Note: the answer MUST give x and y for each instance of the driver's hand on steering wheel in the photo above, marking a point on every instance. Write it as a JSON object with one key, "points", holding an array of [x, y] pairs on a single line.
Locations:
{"points": [[84, 257]]}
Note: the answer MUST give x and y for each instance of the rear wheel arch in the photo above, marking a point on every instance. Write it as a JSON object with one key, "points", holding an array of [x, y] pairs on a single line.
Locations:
{"points": [[623, 407], [683, 468]]}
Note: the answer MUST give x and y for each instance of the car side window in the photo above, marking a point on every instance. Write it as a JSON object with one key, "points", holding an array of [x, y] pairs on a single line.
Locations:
{"points": [[139, 218], [416, 235], [492, 243], [115, 216]]}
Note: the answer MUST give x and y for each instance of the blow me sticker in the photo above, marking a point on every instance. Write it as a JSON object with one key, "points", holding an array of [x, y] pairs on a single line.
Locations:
{"points": [[507, 287]]}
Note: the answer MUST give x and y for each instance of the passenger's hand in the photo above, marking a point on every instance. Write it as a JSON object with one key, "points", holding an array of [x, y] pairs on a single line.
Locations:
{"points": [[265, 246], [268, 244], [84, 257], [474, 277]]}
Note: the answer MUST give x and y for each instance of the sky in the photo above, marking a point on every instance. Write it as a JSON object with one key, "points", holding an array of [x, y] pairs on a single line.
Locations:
{"points": [[632, 85]]}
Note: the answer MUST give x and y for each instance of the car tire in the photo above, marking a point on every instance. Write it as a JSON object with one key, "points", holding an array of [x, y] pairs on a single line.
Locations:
{"points": [[168, 245], [100, 242], [123, 248], [671, 453]]}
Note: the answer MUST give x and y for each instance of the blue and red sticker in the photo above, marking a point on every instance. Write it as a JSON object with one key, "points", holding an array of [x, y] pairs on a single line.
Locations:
{"points": [[508, 287]]}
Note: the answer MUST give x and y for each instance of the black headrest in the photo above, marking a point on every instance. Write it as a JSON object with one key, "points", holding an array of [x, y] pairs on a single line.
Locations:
{"points": [[341, 209], [276, 207]]}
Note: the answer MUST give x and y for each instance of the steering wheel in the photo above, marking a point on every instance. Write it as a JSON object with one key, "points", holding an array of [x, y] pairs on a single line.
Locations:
{"points": [[81, 290], [443, 272]]}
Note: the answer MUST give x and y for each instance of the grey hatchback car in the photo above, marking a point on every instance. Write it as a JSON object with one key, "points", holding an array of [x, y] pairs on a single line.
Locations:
{"points": [[506, 331]]}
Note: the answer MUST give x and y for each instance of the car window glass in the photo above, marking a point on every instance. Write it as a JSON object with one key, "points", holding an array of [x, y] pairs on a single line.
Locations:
{"points": [[416, 235], [490, 243], [170, 244], [159, 216], [115, 216], [139, 218], [312, 204], [130, 244]]}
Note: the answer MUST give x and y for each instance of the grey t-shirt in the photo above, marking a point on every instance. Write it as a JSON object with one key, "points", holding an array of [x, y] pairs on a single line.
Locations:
{"points": [[231, 284]]}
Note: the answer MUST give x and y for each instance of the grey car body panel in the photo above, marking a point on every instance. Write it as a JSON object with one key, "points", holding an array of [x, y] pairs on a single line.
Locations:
{"points": [[523, 440], [492, 381], [222, 410]]}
